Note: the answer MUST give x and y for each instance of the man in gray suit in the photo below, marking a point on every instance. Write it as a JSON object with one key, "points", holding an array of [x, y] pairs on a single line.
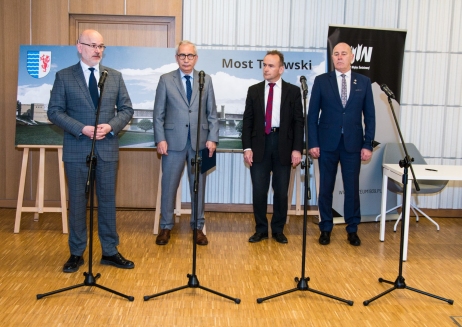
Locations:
{"points": [[176, 109], [72, 107]]}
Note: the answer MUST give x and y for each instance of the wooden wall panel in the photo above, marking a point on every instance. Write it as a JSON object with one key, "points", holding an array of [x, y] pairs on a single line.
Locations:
{"points": [[137, 31], [99, 7], [137, 179], [15, 26], [50, 20], [170, 8]]}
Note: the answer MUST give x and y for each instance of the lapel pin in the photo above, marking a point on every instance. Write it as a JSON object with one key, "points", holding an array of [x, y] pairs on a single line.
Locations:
{"points": [[354, 82]]}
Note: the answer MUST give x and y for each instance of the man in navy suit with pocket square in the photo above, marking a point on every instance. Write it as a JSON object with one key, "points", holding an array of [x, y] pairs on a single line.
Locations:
{"points": [[73, 108], [340, 101]]}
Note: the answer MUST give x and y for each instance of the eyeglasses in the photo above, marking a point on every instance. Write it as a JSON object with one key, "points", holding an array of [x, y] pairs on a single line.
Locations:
{"points": [[95, 46], [183, 56]]}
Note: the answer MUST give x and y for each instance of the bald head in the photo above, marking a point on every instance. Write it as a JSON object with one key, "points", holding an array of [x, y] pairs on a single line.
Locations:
{"points": [[342, 57], [87, 45]]}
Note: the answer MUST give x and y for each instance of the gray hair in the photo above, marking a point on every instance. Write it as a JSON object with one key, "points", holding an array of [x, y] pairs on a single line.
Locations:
{"points": [[185, 42]]}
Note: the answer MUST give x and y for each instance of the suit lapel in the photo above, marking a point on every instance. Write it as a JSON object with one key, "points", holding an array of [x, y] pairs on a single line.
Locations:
{"points": [[80, 79], [334, 85], [179, 84], [261, 96], [353, 87], [195, 85], [284, 94]]}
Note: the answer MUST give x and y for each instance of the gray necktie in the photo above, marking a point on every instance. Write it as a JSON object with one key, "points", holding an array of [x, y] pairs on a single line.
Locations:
{"points": [[344, 91]]}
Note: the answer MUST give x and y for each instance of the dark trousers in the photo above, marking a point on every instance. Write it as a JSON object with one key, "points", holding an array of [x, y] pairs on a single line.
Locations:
{"points": [[105, 179], [260, 173], [350, 163]]}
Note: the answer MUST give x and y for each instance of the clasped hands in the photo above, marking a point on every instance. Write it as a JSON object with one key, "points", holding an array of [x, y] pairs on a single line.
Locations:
{"points": [[101, 131]]}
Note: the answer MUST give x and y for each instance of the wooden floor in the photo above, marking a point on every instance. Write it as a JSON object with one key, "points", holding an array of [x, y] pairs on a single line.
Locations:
{"points": [[31, 264]]}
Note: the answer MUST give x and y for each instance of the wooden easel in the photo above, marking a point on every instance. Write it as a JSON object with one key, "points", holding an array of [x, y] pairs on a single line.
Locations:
{"points": [[39, 198]]}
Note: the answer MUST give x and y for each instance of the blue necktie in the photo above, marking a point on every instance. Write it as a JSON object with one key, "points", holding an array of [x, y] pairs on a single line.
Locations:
{"points": [[188, 88], [93, 87]]}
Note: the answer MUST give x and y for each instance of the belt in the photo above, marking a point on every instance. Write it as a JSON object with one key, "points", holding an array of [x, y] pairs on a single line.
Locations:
{"points": [[274, 129]]}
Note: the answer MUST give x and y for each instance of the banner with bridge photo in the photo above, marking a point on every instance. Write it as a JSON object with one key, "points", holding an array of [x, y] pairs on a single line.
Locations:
{"points": [[232, 72]]}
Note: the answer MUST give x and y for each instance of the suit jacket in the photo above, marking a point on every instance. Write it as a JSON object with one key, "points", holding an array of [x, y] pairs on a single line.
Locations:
{"points": [[291, 122], [174, 116], [325, 130], [72, 108]]}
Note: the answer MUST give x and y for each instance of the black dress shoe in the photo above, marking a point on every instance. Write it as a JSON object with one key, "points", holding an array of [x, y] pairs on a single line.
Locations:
{"points": [[354, 239], [118, 261], [257, 237], [73, 264], [324, 238], [280, 237]]}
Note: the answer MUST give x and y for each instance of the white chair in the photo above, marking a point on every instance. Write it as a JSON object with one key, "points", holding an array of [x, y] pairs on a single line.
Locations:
{"points": [[392, 154]]}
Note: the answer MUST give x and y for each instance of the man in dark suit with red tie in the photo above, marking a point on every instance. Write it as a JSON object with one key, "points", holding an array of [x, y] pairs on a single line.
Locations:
{"points": [[339, 101], [272, 139]]}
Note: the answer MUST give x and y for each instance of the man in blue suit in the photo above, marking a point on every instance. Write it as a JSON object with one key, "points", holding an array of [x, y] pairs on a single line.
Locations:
{"points": [[339, 101], [72, 107], [176, 113]]}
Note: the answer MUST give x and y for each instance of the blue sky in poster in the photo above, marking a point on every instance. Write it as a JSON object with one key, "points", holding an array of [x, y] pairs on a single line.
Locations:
{"points": [[142, 67]]}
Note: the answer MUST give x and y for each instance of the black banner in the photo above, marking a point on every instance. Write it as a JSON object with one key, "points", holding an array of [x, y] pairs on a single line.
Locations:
{"points": [[378, 53]]}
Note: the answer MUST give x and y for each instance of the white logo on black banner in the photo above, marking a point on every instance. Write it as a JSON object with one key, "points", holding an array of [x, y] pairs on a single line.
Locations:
{"points": [[361, 53]]}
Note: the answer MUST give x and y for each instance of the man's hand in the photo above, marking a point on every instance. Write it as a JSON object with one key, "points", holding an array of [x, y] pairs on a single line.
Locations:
{"points": [[101, 131], [248, 157], [162, 148], [366, 154], [212, 146], [315, 152], [296, 158]]}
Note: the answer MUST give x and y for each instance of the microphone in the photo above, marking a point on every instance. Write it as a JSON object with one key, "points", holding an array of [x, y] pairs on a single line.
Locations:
{"points": [[201, 79], [303, 82], [102, 78], [387, 91]]}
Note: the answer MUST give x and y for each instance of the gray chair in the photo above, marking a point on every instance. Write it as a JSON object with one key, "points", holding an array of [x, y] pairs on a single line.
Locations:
{"points": [[392, 154]]}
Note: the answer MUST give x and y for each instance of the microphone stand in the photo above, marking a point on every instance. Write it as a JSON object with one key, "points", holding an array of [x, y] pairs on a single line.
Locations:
{"points": [[193, 281], [302, 282], [405, 163], [90, 280]]}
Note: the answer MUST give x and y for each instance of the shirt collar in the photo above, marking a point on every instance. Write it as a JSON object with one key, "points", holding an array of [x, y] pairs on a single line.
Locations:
{"points": [[183, 74], [347, 74], [278, 82], [85, 67]]}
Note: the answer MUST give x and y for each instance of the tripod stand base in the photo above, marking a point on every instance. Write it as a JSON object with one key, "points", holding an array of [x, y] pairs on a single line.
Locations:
{"points": [[90, 280], [302, 285], [399, 283], [193, 282]]}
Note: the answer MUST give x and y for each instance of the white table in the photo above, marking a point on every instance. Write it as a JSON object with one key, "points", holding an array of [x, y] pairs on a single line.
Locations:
{"points": [[394, 171]]}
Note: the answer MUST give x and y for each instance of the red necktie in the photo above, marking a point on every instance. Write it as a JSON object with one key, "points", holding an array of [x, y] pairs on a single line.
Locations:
{"points": [[269, 109]]}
